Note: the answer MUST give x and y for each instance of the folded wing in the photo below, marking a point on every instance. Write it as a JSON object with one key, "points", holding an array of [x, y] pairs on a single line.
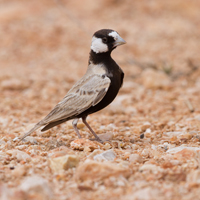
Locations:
{"points": [[86, 93]]}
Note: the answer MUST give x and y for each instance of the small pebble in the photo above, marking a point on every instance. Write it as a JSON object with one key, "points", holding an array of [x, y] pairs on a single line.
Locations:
{"points": [[142, 136], [135, 158]]}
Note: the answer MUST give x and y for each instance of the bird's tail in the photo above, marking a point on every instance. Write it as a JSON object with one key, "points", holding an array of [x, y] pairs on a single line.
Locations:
{"points": [[38, 125]]}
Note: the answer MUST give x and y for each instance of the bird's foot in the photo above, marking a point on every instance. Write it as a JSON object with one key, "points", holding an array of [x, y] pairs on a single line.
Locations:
{"points": [[16, 139], [97, 139]]}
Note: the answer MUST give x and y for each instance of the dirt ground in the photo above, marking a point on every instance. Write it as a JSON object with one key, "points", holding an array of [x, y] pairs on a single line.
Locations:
{"points": [[153, 126]]}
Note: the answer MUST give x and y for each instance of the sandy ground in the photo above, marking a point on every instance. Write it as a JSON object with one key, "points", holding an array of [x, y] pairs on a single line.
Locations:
{"points": [[152, 126]]}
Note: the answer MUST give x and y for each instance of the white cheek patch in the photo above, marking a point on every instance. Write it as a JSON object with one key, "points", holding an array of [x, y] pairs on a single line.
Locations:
{"points": [[98, 46], [114, 34]]}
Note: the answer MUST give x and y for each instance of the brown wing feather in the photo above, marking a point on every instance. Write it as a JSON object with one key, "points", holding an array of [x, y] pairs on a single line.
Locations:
{"points": [[79, 99], [87, 92]]}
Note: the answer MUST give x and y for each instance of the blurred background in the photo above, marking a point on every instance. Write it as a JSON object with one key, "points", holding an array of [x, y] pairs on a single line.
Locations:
{"points": [[44, 48]]}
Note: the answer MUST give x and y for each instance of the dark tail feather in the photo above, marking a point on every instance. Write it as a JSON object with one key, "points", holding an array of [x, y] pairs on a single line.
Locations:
{"points": [[48, 126], [52, 124]]}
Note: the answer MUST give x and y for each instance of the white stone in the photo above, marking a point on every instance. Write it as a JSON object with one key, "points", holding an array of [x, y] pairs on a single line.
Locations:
{"points": [[154, 147], [148, 193], [108, 155], [180, 148], [175, 133], [63, 162], [106, 136], [151, 167], [148, 130], [135, 158], [36, 184], [20, 155]]}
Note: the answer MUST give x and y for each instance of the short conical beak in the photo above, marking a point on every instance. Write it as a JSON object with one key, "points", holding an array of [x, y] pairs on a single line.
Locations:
{"points": [[119, 41]]}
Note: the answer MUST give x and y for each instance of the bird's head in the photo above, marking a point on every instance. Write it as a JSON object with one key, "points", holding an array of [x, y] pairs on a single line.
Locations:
{"points": [[105, 40]]}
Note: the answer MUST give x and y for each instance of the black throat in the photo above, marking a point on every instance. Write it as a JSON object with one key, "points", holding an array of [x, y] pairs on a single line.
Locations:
{"points": [[97, 58]]}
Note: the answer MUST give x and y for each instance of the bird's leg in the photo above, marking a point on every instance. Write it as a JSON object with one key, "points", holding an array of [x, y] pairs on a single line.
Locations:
{"points": [[88, 126], [74, 124]]}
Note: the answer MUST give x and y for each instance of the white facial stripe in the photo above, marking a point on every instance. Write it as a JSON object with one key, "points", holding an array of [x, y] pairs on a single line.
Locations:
{"points": [[98, 46], [114, 34]]}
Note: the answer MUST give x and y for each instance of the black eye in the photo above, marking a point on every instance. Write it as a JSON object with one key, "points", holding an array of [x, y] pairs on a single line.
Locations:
{"points": [[104, 39]]}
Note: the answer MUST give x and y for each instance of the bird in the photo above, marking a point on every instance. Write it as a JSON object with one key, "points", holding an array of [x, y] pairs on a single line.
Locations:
{"points": [[94, 91]]}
